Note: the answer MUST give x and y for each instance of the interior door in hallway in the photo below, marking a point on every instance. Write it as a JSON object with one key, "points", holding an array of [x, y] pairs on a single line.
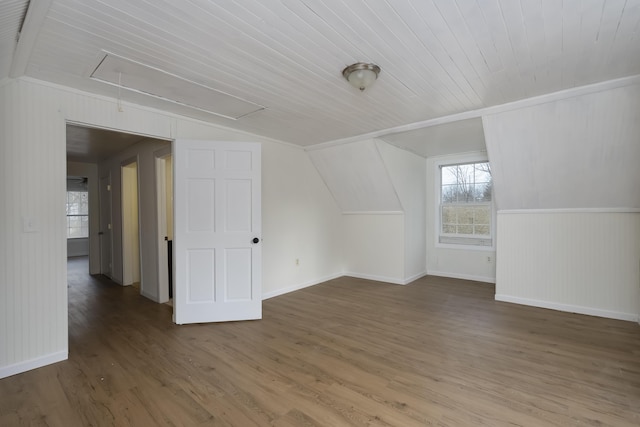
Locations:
{"points": [[217, 226]]}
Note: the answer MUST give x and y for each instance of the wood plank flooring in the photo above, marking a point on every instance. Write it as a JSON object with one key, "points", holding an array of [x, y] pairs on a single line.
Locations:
{"points": [[348, 352]]}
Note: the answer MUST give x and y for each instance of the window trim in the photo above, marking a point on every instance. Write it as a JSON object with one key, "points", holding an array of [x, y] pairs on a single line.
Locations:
{"points": [[459, 160]]}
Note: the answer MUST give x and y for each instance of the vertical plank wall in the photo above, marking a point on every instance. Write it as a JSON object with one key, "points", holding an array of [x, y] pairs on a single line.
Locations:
{"points": [[300, 218], [566, 186], [33, 292], [579, 261]]}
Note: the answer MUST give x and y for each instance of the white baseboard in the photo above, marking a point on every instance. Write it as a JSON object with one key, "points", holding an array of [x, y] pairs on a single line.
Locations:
{"points": [[590, 311], [153, 298], [376, 278], [462, 276], [38, 362], [286, 290], [392, 280], [414, 277]]}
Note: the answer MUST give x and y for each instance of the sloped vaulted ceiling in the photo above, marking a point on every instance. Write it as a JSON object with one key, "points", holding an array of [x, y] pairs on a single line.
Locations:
{"points": [[357, 177], [580, 152]]}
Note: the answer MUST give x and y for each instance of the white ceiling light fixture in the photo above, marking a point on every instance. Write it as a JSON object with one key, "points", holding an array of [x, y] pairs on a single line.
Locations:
{"points": [[361, 75]]}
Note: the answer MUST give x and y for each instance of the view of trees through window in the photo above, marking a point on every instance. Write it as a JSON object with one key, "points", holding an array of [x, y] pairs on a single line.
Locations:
{"points": [[77, 214], [466, 200]]}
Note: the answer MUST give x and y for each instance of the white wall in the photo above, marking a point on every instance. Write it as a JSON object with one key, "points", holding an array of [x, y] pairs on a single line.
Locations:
{"points": [[33, 285], [381, 191], [407, 172], [300, 220], [298, 211], [144, 153], [578, 261], [78, 247], [130, 225], [90, 170], [581, 154], [471, 264], [374, 246]]}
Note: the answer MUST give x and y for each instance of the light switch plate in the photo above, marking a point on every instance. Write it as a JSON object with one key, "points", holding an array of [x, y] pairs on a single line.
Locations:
{"points": [[29, 224]]}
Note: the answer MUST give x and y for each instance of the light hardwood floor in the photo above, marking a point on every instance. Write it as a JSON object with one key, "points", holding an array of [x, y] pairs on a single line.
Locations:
{"points": [[348, 352]]}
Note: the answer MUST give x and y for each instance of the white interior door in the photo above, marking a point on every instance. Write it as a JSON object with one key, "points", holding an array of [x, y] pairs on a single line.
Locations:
{"points": [[217, 223]]}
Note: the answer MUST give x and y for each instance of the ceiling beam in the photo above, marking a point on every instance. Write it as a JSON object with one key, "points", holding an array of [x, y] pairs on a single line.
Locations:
{"points": [[36, 13]]}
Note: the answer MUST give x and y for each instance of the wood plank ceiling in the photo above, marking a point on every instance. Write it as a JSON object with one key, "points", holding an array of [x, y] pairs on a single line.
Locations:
{"points": [[12, 14], [438, 57]]}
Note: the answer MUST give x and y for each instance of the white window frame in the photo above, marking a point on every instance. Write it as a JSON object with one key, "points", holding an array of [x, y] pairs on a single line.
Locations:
{"points": [[451, 161]]}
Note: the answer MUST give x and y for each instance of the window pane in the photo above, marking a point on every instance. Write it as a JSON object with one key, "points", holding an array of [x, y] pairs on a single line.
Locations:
{"points": [[77, 203], [465, 229], [482, 172], [448, 228], [84, 229], [74, 221], [449, 215], [449, 193], [464, 173], [83, 203], [78, 208], [483, 192], [449, 175], [482, 230], [482, 215], [465, 215]]}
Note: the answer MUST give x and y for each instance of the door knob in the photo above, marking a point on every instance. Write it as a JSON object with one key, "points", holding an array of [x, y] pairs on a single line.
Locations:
{"points": [[255, 240]]}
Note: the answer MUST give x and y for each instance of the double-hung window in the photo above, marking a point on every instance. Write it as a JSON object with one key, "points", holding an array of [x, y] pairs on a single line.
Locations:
{"points": [[466, 208], [77, 214]]}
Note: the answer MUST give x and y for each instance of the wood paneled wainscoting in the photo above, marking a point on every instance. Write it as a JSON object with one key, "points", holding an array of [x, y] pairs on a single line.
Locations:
{"points": [[348, 352]]}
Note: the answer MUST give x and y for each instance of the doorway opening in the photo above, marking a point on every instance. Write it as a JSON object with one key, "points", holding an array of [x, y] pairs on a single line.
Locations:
{"points": [[122, 196]]}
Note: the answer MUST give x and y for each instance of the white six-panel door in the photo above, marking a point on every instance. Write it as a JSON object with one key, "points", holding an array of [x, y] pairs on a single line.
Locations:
{"points": [[217, 223]]}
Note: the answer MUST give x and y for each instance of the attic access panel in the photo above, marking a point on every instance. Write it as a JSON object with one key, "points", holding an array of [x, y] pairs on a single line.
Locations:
{"points": [[137, 77]]}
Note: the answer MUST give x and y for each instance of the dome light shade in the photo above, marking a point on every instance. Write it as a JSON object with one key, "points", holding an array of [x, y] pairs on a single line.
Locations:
{"points": [[361, 75]]}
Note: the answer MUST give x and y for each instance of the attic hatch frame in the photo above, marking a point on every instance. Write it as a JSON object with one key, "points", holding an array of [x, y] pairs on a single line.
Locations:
{"points": [[110, 69]]}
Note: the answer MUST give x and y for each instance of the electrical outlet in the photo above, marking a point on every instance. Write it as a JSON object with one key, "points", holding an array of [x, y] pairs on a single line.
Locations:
{"points": [[489, 259], [297, 261]]}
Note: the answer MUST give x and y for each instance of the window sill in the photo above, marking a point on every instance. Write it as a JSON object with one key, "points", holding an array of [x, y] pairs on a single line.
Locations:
{"points": [[460, 246]]}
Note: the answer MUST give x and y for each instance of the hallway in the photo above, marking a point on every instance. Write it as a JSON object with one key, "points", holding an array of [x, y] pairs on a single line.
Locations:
{"points": [[95, 301]]}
